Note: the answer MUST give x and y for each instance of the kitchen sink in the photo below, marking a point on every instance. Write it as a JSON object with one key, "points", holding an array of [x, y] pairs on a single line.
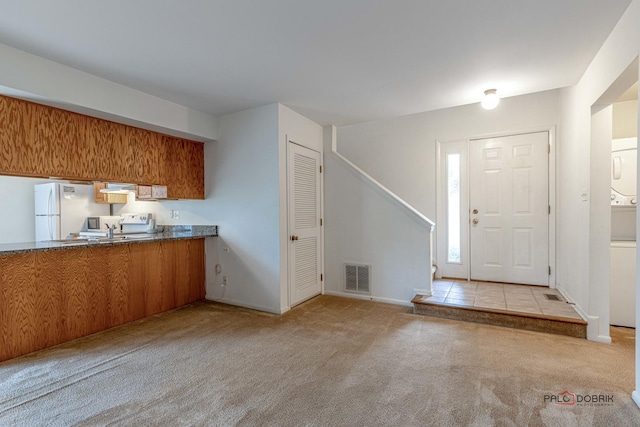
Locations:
{"points": [[70, 241], [90, 240], [123, 238], [137, 236]]}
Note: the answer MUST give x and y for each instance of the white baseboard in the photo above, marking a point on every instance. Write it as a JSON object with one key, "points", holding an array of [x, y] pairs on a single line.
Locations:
{"points": [[245, 305], [370, 298], [283, 310], [604, 339], [577, 307], [594, 333], [593, 322], [636, 397]]}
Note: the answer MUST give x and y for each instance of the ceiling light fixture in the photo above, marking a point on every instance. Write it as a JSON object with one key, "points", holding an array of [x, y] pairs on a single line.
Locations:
{"points": [[490, 100]]}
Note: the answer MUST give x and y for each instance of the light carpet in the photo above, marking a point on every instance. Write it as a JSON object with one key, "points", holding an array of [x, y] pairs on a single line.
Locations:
{"points": [[328, 362]]}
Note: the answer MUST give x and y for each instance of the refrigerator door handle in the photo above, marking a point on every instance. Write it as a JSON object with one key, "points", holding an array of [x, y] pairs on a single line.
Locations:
{"points": [[49, 205], [49, 227]]}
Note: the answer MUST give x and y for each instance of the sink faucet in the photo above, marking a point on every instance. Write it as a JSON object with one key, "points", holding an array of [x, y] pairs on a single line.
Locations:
{"points": [[110, 231]]}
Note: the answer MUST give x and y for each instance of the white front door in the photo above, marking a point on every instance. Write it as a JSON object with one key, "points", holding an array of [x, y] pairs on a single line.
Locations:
{"points": [[304, 223], [509, 209]]}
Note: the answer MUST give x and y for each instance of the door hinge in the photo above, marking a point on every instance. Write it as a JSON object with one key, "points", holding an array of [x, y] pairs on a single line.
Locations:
{"points": [[321, 277], [321, 222], [549, 270], [549, 148], [320, 168], [549, 209]]}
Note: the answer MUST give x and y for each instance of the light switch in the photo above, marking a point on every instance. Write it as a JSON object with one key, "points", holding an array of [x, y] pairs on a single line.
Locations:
{"points": [[584, 194]]}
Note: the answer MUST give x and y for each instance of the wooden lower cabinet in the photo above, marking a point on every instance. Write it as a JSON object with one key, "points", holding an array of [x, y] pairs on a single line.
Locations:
{"points": [[47, 298]]}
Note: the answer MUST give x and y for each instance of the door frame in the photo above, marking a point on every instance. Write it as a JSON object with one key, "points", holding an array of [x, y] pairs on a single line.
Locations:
{"points": [[441, 212], [289, 139]]}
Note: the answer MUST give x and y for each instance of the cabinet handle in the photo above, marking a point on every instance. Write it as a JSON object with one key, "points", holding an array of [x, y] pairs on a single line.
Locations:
{"points": [[294, 238]]}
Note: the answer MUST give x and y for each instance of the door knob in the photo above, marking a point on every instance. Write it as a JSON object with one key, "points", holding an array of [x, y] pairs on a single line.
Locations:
{"points": [[475, 211], [294, 238], [475, 220]]}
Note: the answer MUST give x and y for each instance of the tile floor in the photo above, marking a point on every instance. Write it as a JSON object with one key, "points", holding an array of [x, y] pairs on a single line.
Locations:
{"points": [[501, 296]]}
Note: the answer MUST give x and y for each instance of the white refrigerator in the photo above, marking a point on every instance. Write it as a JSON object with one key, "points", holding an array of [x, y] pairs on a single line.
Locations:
{"points": [[63, 208]]}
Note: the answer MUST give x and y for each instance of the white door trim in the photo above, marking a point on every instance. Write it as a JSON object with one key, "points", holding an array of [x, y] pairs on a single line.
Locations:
{"points": [[441, 213]]}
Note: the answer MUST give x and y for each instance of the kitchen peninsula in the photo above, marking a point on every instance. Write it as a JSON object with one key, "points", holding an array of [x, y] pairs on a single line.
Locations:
{"points": [[52, 293]]}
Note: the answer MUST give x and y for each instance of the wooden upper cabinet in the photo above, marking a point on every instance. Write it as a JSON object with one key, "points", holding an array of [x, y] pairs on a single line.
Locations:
{"points": [[59, 142], [196, 170], [109, 156], [37, 140], [17, 130], [146, 146], [186, 169]]}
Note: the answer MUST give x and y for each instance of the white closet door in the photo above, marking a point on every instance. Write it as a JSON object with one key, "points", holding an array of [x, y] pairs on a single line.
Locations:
{"points": [[509, 204], [303, 177]]}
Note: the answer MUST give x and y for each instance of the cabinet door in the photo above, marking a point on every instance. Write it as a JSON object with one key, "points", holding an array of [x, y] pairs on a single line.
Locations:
{"points": [[186, 169], [109, 156], [99, 197], [146, 146], [17, 155], [59, 146], [177, 169], [196, 170]]}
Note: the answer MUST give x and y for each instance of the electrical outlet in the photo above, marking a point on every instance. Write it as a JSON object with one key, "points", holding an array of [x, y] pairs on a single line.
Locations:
{"points": [[176, 214], [224, 281], [225, 250]]}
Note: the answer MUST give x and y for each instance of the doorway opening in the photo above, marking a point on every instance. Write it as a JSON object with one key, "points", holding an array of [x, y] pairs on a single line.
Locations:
{"points": [[624, 155], [607, 187]]}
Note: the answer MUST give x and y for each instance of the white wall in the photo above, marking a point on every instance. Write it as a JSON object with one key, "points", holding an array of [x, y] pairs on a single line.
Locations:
{"points": [[17, 214], [625, 119], [193, 212], [583, 270], [364, 226], [243, 196], [32, 77], [246, 194], [400, 153]]}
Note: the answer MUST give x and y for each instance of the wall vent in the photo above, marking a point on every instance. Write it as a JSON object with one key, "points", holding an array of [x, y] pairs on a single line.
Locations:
{"points": [[357, 278]]}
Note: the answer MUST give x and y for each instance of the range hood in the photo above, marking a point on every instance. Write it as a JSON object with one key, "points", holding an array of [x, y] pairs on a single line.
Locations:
{"points": [[116, 188]]}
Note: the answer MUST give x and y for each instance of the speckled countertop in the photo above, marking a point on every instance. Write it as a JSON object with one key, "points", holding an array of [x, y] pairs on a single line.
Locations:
{"points": [[168, 233]]}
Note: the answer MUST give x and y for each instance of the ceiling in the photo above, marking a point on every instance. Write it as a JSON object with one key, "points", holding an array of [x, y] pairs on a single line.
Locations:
{"points": [[335, 61]]}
